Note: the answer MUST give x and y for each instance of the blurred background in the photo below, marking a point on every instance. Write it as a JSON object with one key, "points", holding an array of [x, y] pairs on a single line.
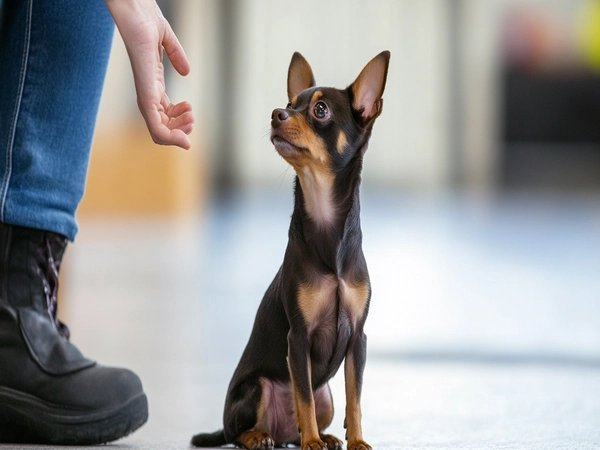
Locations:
{"points": [[481, 213]]}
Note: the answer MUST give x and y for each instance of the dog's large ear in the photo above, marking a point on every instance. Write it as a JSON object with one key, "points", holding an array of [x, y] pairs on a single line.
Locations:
{"points": [[300, 76], [368, 88]]}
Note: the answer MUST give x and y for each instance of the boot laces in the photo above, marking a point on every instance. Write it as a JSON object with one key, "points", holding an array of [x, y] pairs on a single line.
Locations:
{"points": [[49, 276]]}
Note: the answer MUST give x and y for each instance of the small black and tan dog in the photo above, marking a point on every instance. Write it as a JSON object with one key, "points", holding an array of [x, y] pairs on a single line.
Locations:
{"points": [[313, 313]]}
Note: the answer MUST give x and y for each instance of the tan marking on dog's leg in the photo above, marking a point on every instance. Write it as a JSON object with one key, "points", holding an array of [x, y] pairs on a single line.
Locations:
{"points": [[324, 409], [353, 411], [307, 423], [306, 419]]}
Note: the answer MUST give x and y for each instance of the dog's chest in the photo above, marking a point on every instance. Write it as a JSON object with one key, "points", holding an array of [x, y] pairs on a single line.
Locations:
{"points": [[331, 308]]}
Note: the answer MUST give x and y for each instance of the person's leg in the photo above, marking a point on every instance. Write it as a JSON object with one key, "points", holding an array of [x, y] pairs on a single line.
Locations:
{"points": [[53, 57]]}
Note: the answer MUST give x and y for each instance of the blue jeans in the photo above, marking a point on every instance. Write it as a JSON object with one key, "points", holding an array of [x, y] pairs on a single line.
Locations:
{"points": [[53, 58]]}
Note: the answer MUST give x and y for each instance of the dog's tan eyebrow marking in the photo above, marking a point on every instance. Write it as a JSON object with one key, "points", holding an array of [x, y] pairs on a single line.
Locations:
{"points": [[341, 142], [316, 96]]}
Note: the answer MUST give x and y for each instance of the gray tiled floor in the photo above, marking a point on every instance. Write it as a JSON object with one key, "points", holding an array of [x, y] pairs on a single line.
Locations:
{"points": [[484, 330]]}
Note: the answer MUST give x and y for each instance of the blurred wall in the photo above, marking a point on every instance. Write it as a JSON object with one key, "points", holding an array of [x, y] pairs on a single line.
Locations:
{"points": [[442, 113], [409, 144], [481, 67]]}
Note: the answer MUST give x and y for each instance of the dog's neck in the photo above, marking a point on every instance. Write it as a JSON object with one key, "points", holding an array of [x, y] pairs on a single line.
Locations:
{"points": [[326, 218], [317, 188]]}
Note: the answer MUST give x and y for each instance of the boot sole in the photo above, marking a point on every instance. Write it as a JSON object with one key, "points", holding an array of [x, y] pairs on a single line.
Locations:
{"points": [[28, 419]]}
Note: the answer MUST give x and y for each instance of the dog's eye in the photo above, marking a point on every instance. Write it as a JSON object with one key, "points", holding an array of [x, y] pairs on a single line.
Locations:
{"points": [[288, 106], [320, 110]]}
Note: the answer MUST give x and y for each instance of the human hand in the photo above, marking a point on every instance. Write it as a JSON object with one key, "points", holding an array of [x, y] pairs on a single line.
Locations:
{"points": [[146, 33]]}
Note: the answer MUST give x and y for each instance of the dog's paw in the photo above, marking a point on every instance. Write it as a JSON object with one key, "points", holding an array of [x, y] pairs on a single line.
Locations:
{"points": [[358, 445], [332, 442], [314, 444], [257, 440]]}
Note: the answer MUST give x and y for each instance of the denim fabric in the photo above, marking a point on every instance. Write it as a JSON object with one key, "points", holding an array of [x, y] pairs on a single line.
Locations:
{"points": [[53, 58]]}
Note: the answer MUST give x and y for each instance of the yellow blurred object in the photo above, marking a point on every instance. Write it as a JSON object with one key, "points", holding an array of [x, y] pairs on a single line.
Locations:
{"points": [[130, 175], [588, 28]]}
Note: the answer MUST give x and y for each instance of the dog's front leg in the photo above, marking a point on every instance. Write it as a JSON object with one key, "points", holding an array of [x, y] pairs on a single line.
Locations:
{"points": [[304, 402], [353, 371]]}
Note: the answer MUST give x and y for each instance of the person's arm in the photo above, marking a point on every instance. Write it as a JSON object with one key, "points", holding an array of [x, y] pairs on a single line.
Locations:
{"points": [[146, 33]]}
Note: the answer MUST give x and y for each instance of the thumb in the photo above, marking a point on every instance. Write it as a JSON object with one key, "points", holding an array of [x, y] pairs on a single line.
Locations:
{"points": [[175, 51]]}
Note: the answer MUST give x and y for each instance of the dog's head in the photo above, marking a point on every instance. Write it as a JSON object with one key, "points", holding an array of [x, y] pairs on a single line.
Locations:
{"points": [[322, 128]]}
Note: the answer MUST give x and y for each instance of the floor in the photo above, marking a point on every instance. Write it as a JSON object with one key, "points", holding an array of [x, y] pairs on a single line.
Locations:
{"points": [[484, 330]]}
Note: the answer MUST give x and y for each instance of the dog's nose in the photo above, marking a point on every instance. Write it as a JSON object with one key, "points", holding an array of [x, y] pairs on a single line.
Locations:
{"points": [[279, 115]]}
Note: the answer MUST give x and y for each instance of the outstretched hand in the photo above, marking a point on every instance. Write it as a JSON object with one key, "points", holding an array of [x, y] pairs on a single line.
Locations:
{"points": [[146, 33]]}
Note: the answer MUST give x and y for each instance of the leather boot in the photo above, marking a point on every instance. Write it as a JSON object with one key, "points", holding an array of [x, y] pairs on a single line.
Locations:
{"points": [[49, 392]]}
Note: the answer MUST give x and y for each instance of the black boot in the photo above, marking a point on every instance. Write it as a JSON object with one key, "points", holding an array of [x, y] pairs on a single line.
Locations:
{"points": [[49, 392]]}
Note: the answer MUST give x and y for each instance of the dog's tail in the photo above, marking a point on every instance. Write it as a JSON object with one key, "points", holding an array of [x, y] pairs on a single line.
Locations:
{"points": [[216, 439]]}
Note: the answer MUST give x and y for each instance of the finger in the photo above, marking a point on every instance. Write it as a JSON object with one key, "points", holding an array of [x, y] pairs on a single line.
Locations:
{"points": [[175, 51], [187, 128], [178, 109], [184, 122], [164, 136], [180, 139]]}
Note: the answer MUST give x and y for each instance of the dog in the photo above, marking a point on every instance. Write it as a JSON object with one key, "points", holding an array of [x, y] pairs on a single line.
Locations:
{"points": [[312, 316]]}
